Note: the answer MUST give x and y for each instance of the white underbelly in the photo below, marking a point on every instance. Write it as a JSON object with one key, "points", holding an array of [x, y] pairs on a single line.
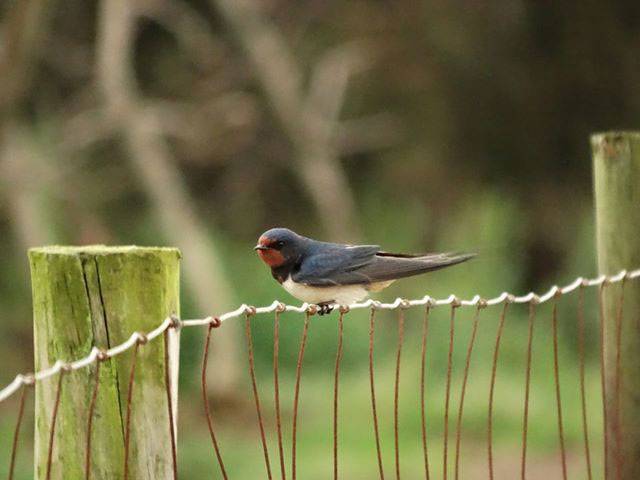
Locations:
{"points": [[342, 295]]}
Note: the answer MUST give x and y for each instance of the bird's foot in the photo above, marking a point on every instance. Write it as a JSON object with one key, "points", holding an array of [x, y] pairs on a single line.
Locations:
{"points": [[325, 308]]}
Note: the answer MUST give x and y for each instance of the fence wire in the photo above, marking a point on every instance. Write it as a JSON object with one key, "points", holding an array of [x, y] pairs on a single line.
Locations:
{"points": [[138, 340]]}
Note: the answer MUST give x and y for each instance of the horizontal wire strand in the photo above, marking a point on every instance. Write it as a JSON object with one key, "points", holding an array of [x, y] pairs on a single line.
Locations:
{"points": [[135, 337]]}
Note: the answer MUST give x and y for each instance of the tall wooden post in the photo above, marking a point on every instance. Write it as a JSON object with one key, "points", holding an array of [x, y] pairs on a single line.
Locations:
{"points": [[98, 296], [616, 166]]}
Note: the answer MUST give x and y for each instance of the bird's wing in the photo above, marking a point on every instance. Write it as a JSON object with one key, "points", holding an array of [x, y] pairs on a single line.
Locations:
{"points": [[334, 263], [369, 265]]}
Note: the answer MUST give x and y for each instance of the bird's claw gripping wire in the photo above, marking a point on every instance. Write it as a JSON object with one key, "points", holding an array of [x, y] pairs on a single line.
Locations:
{"points": [[325, 308]]}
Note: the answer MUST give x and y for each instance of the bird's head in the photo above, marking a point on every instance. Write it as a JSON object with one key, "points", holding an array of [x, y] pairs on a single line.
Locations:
{"points": [[279, 246]]}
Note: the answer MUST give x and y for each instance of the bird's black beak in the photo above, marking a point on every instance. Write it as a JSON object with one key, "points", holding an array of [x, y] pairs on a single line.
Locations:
{"points": [[260, 247]]}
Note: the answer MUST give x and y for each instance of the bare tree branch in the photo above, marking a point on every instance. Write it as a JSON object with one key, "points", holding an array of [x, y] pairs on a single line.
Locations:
{"points": [[21, 176], [24, 30], [156, 169], [308, 128]]}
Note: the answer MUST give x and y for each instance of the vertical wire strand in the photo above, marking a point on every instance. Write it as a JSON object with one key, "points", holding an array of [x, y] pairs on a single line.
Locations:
{"points": [[127, 429], [603, 382], [276, 384], [256, 395], [423, 419], [556, 374], [54, 418], [396, 393], [617, 424], [205, 359], [527, 388], [167, 384], [583, 400], [92, 407], [465, 377], [494, 368], [372, 324], [335, 395], [16, 432], [296, 396], [448, 392]]}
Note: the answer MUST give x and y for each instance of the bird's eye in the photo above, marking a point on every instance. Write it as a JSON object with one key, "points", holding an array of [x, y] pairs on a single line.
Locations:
{"points": [[280, 244]]}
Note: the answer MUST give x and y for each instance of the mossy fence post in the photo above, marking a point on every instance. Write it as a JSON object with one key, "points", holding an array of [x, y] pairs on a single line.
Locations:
{"points": [[616, 166], [98, 296]]}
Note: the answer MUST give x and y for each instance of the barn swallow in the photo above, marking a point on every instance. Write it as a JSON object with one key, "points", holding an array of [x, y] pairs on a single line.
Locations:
{"points": [[327, 274]]}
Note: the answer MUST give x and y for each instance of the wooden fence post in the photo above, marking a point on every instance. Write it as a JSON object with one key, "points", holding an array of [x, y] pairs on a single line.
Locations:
{"points": [[98, 296], [616, 166]]}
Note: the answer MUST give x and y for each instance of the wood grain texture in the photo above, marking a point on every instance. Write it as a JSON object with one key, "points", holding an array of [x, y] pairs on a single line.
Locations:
{"points": [[616, 166], [98, 296]]}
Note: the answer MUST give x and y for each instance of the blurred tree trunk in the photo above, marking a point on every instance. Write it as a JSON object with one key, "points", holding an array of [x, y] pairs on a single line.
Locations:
{"points": [[308, 120], [23, 178], [23, 32], [157, 171]]}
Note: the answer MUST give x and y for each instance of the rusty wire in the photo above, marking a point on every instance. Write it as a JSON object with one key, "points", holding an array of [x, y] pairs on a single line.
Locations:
{"points": [[465, 377], [276, 385], [447, 394], [256, 396], [167, 384], [127, 428], [617, 424], [16, 432], [423, 420], [494, 368], [296, 396], [556, 374], [372, 323], [396, 391], [55, 369], [603, 382], [92, 406], [527, 387], [335, 394], [583, 399], [614, 428], [214, 323], [54, 418]]}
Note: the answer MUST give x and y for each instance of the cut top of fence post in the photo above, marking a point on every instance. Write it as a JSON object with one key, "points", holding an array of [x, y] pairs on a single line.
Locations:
{"points": [[98, 296]]}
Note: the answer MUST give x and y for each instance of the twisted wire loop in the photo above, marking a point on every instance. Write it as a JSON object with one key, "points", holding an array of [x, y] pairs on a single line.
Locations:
{"points": [[556, 374], [617, 425], [494, 368], [256, 396], [54, 418], [423, 420], [167, 384], [296, 395], [447, 395], [276, 384], [372, 324], [92, 406], [465, 377], [396, 392], [16, 432], [214, 323], [527, 388], [335, 392], [583, 400], [603, 380], [127, 428]]}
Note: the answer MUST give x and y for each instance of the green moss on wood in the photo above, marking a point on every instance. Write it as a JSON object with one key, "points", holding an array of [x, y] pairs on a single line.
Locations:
{"points": [[616, 165], [97, 295]]}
